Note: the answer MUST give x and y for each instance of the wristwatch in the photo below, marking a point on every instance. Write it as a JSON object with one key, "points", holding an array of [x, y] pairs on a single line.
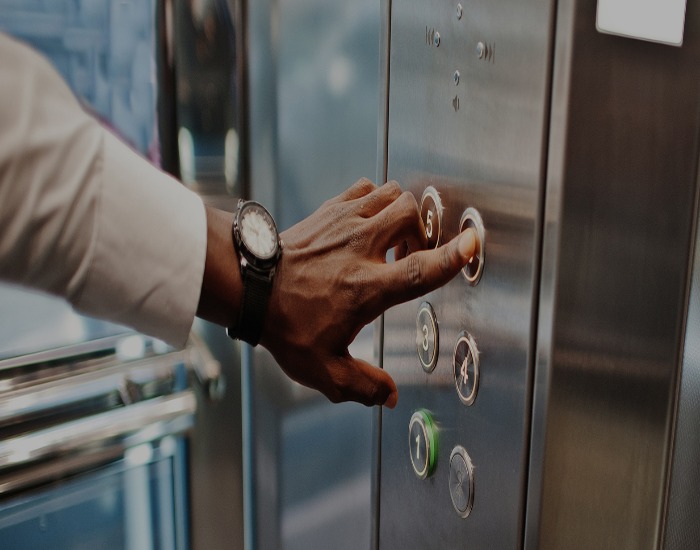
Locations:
{"points": [[259, 249]]}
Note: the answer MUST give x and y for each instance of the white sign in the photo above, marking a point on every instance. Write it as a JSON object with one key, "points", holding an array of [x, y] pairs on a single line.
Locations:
{"points": [[656, 20]]}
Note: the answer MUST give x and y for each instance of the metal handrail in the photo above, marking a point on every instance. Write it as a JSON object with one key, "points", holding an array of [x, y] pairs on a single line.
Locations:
{"points": [[51, 395], [133, 424]]}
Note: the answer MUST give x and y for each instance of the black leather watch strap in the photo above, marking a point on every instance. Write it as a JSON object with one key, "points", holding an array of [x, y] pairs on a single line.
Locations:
{"points": [[256, 294]]}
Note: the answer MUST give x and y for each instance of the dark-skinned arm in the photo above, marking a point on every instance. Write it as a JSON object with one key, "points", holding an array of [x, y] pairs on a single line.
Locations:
{"points": [[332, 280]]}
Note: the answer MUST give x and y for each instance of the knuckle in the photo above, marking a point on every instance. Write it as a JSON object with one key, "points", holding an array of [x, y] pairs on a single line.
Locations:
{"points": [[414, 271], [409, 208], [409, 201], [364, 185], [447, 260], [393, 188]]}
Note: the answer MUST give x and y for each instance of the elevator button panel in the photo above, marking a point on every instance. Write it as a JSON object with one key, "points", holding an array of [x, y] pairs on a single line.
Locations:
{"points": [[422, 443], [461, 481], [431, 213], [427, 337], [471, 219], [464, 128], [465, 365]]}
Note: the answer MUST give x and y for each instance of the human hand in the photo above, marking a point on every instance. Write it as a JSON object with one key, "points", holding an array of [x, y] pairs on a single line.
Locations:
{"points": [[333, 279]]}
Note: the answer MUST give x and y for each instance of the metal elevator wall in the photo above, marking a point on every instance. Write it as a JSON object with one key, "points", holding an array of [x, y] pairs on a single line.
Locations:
{"points": [[478, 137], [580, 151]]}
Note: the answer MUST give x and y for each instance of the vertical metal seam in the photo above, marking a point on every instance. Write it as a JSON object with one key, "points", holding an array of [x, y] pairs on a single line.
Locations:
{"points": [[537, 271], [680, 352], [529, 517], [382, 172]]}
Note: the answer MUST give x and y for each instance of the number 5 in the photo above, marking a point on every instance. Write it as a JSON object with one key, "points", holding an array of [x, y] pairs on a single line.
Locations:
{"points": [[429, 224]]}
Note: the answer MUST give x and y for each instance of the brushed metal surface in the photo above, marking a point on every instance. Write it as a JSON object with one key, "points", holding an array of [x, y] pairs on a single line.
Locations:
{"points": [[313, 99], [682, 530], [480, 143], [620, 200]]}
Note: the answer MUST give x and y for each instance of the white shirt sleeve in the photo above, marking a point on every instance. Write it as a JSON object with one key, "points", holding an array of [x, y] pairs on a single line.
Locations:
{"points": [[84, 217]]}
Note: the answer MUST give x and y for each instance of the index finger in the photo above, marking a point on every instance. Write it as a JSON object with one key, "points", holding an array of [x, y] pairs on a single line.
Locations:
{"points": [[421, 272]]}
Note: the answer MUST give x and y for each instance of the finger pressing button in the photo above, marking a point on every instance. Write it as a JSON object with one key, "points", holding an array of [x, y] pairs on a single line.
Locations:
{"points": [[473, 270]]}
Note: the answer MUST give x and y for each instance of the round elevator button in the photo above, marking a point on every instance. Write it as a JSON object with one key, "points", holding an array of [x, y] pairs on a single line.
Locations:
{"points": [[427, 337], [465, 365], [422, 443], [473, 270], [431, 214], [461, 481]]}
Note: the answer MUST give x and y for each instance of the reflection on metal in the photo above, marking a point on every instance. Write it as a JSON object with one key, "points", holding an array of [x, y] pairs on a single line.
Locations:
{"points": [[682, 529], [135, 424], [586, 170], [622, 157], [210, 71], [488, 155], [313, 133]]}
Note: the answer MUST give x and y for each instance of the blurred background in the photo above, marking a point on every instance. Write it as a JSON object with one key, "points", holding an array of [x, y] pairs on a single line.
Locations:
{"points": [[168, 76]]}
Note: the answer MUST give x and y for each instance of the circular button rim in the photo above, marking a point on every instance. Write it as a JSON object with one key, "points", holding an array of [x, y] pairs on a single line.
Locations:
{"points": [[472, 214], [464, 336], [462, 453], [431, 192], [427, 306], [424, 419]]}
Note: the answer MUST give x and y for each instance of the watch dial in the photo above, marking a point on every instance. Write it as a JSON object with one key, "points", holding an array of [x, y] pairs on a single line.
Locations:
{"points": [[258, 232]]}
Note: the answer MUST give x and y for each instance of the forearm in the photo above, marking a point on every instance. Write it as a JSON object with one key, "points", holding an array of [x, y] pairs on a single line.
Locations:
{"points": [[84, 217]]}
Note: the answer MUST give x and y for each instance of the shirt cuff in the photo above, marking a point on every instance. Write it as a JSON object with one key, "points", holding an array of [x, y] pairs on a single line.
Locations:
{"points": [[148, 249]]}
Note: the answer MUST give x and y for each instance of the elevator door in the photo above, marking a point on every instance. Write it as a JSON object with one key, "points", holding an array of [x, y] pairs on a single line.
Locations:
{"points": [[467, 113]]}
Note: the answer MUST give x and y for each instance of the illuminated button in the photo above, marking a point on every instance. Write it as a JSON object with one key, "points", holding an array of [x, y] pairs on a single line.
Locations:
{"points": [[431, 214], [466, 368], [473, 270], [427, 337], [461, 481], [422, 443]]}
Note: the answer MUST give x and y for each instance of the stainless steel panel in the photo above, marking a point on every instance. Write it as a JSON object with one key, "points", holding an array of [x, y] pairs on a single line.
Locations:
{"points": [[215, 460], [619, 209], [682, 529], [480, 142], [313, 90]]}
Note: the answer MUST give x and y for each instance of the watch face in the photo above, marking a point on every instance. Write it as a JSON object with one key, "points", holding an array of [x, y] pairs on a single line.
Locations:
{"points": [[258, 231]]}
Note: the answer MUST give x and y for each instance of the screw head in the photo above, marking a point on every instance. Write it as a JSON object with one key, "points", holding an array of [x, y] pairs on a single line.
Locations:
{"points": [[460, 11], [436, 40], [480, 50], [456, 77]]}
